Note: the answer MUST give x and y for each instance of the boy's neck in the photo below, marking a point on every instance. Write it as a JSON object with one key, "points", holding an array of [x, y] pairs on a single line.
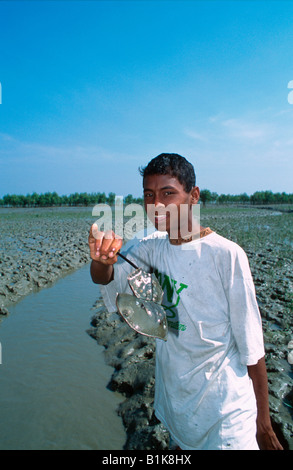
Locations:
{"points": [[194, 233]]}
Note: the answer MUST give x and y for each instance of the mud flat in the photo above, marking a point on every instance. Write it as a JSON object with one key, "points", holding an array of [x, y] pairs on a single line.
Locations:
{"points": [[267, 239], [39, 246]]}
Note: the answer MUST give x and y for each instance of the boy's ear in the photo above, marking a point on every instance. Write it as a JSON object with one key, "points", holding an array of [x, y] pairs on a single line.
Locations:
{"points": [[195, 194]]}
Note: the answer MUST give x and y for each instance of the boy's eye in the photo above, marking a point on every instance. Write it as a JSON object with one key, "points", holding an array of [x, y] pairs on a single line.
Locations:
{"points": [[165, 194], [168, 193]]}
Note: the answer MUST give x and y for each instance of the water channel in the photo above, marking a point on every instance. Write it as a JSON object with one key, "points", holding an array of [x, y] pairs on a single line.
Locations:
{"points": [[53, 376]]}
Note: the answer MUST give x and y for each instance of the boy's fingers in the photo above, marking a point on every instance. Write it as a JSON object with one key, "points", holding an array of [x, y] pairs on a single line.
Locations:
{"points": [[104, 246], [95, 241], [107, 241], [98, 236], [94, 233], [115, 246], [110, 245]]}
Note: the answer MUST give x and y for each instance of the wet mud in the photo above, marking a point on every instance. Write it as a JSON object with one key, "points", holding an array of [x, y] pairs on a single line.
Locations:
{"points": [[39, 247]]}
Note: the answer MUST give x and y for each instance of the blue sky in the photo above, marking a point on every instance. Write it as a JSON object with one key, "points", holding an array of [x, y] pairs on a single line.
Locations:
{"points": [[91, 90]]}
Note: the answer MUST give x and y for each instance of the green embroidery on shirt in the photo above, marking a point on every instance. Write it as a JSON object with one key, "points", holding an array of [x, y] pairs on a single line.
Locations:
{"points": [[169, 287], [176, 325]]}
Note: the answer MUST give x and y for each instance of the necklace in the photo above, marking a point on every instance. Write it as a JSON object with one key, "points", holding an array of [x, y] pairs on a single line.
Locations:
{"points": [[202, 233]]}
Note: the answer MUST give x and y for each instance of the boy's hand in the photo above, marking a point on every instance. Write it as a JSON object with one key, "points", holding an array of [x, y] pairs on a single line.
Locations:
{"points": [[267, 440], [104, 246]]}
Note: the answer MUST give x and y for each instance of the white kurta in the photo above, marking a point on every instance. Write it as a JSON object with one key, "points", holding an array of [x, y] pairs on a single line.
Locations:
{"points": [[203, 393]]}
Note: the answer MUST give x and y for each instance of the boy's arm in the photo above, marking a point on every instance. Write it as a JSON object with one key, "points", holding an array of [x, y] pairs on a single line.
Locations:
{"points": [[267, 440]]}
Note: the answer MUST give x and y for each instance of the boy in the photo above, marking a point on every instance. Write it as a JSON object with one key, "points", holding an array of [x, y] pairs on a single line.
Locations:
{"points": [[211, 384]]}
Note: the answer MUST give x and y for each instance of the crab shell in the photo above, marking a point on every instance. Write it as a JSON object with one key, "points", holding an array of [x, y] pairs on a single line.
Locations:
{"points": [[145, 286], [145, 317]]}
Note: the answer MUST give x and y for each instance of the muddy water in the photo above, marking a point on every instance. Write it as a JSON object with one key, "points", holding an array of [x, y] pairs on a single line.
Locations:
{"points": [[53, 376]]}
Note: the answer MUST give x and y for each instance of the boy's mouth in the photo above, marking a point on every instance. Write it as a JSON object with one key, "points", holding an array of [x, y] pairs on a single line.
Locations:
{"points": [[160, 218]]}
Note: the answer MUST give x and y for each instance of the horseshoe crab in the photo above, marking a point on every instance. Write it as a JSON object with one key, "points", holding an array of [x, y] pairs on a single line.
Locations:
{"points": [[143, 312]]}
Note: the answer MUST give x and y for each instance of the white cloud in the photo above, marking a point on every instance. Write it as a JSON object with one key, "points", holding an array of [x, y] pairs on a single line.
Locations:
{"points": [[13, 150], [243, 152], [251, 131], [220, 129]]}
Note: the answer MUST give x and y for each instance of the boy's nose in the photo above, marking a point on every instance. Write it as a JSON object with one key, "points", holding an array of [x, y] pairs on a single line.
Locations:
{"points": [[158, 204]]}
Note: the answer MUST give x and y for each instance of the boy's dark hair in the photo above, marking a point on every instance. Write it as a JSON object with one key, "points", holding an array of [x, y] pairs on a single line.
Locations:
{"points": [[174, 165]]}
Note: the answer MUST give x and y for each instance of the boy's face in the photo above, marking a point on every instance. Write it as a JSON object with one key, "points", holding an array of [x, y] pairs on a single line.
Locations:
{"points": [[165, 199]]}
